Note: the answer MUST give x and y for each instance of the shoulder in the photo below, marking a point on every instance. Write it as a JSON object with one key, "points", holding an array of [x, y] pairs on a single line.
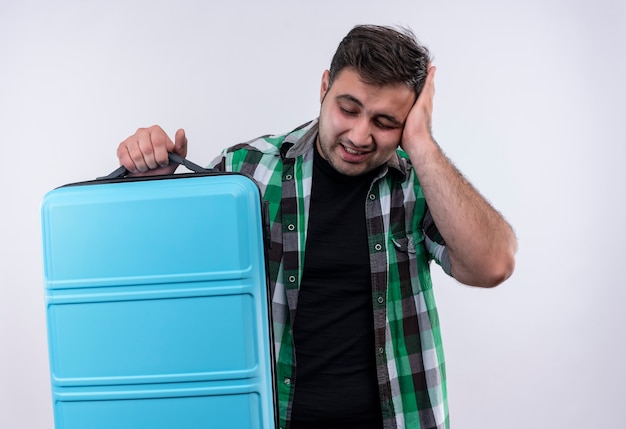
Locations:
{"points": [[267, 144], [268, 150], [271, 144]]}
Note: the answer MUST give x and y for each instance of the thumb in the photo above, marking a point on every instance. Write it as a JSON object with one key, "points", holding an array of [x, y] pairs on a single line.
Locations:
{"points": [[180, 143]]}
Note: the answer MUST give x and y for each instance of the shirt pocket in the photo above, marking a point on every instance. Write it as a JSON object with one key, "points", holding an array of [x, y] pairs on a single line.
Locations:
{"points": [[409, 242], [409, 262]]}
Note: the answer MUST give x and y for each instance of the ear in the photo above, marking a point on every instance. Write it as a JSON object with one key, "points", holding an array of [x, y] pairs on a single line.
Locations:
{"points": [[325, 85]]}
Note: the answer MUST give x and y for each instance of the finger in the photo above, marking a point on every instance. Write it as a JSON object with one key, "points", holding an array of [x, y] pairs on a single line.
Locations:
{"points": [[430, 79], [425, 99], [135, 146], [134, 153], [123, 155], [180, 140], [146, 152], [429, 84], [161, 145]]}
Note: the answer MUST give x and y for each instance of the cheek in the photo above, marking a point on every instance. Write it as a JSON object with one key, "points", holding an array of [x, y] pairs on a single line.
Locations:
{"points": [[388, 142], [331, 128], [335, 120]]}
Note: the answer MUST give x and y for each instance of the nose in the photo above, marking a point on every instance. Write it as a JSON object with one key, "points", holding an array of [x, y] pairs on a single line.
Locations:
{"points": [[360, 134]]}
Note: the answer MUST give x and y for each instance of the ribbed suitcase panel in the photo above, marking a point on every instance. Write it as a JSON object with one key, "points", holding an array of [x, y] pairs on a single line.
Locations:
{"points": [[157, 304]]}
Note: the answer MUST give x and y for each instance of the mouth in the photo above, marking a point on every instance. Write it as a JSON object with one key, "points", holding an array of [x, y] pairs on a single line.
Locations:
{"points": [[355, 152], [354, 156]]}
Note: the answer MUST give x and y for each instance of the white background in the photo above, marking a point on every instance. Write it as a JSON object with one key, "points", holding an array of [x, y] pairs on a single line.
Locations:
{"points": [[530, 105]]}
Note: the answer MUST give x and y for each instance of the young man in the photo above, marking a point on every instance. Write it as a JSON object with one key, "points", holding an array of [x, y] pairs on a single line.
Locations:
{"points": [[361, 200]]}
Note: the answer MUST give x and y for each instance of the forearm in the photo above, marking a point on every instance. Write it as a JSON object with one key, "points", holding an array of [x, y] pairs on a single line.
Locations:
{"points": [[481, 244]]}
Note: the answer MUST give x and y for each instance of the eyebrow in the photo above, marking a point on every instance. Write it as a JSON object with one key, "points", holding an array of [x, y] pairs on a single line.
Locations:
{"points": [[356, 101]]}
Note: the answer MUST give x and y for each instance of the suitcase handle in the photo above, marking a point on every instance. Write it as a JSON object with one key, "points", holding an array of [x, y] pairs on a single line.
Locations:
{"points": [[173, 157]]}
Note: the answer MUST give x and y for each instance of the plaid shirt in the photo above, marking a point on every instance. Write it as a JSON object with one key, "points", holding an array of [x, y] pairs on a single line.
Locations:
{"points": [[402, 241]]}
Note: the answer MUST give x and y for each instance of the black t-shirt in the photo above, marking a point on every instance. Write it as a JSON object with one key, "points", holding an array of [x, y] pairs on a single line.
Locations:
{"points": [[336, 381]]}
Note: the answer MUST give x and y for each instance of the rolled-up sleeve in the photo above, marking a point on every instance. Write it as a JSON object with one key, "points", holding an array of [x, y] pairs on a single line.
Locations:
{"points": [[435, 244]]}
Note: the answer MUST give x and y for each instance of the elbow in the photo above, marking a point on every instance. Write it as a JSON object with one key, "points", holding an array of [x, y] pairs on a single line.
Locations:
{"points": [[498, 273], [486, 273], [500, 266], [489, 270], [498, 270]]}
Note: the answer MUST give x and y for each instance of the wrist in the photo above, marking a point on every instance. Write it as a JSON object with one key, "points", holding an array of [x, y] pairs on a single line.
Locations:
{"points": [[421, 149]]}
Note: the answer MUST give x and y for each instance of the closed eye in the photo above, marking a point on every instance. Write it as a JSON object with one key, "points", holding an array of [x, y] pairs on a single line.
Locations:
{"points": [[386, 126], [349, 112]]}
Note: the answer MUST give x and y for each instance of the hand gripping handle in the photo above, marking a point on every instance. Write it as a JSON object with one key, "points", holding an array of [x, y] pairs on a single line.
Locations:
{"points": [[173, 157]]}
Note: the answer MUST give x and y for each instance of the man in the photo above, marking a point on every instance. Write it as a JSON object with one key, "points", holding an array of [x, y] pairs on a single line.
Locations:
{"points": [[354, 224]]}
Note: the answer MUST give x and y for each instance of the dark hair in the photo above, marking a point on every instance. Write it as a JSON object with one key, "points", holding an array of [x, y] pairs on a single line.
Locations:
{"points": [[382, 56]]}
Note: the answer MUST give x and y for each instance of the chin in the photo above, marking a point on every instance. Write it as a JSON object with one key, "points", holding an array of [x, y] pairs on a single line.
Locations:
{"points": [[353, 170]]}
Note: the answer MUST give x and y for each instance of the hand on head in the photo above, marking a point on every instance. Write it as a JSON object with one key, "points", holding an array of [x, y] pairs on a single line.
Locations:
{"points": [[417, 128]]}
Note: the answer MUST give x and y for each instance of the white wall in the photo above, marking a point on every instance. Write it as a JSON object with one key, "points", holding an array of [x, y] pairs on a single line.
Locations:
{"points": [[530, 106]]}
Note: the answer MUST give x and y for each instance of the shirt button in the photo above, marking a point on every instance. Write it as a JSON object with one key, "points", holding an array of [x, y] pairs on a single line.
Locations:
{"points": [[381, 350], [287, 381], [288, 177], [292, 279], [381, 299], [291, 227], [372, 197], [378, 246]]}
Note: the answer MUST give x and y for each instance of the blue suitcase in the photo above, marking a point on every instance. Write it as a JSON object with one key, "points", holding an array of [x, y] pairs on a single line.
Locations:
{"points": [[157, 303]]}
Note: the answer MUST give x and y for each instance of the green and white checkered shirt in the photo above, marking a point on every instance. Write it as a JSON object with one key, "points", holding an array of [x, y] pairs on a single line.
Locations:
{"points": [[402, 241]]}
